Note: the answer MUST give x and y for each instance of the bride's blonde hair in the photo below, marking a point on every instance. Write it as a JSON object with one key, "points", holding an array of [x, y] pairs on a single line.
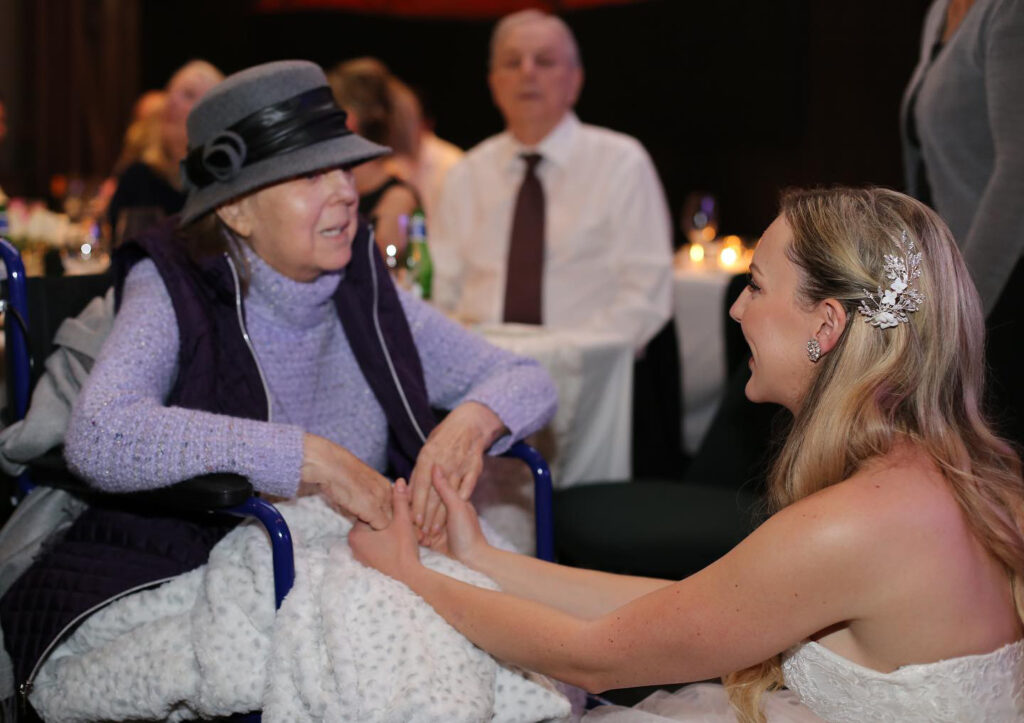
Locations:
{"points": [[922, 380]]}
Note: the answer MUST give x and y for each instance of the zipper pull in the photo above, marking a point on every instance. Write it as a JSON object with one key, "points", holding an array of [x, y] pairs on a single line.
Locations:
{"points": [[24, 708]]}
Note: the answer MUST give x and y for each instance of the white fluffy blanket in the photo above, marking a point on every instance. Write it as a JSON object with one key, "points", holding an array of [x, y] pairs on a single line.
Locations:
{"points": [[348, 644]]}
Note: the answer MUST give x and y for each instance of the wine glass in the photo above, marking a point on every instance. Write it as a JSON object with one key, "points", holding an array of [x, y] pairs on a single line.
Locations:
{"points": [[699, 220]]}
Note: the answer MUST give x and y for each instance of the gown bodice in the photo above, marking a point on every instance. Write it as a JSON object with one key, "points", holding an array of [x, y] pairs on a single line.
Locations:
{"points": [[987, 687]]}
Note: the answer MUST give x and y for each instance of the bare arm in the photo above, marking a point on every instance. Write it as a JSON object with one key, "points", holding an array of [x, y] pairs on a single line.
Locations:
{"points": [[582, 593], [585, 594], [795, 575]]}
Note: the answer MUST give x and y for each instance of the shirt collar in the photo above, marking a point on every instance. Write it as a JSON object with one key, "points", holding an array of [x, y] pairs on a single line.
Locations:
{"points": [[555, 146]]}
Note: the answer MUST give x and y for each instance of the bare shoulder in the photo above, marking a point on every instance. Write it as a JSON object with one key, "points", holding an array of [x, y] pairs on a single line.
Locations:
{"points": [[904, 486], [895, 507], [885, 555], [844, 545]]}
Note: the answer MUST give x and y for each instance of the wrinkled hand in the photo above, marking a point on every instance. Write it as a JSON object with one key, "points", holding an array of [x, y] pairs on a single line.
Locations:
{"points": [[457, 447], [349, 486], [464, 540], [394, 550]]}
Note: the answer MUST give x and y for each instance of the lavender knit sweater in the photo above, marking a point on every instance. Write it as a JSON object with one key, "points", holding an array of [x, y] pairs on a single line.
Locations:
{"points": [[122, 437]]}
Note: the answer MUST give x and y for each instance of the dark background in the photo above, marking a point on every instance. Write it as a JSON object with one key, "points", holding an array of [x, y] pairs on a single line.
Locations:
{"points": [[737, 97]]}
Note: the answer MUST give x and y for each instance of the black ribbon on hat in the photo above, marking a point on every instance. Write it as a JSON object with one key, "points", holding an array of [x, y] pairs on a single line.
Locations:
{"points": [[292, 124]]}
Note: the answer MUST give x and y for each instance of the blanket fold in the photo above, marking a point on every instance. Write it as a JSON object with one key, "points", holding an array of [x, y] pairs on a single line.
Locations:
{"points": [[348, 644]]}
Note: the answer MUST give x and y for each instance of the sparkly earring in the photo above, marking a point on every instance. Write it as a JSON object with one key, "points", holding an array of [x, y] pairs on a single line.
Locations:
{"points": [[813, 350]]}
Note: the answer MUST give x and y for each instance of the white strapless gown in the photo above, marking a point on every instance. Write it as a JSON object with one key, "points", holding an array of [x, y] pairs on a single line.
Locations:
{"points": [[823, 685]]}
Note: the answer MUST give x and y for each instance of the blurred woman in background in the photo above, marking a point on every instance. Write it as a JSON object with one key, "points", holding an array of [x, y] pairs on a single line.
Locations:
{"points": [[963, 154], [151, 182], [366, 90]]}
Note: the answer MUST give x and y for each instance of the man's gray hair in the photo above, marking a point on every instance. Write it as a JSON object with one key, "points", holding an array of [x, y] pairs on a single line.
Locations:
{"points": [[532, 15]]}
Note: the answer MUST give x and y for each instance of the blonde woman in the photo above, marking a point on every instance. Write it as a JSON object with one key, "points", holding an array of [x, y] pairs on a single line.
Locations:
{"points": [[888, 584], [150, 184]]}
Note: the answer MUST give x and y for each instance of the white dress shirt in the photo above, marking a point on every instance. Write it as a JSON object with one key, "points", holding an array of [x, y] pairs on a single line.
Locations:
{"points": [[436, 158], [608, 259]]}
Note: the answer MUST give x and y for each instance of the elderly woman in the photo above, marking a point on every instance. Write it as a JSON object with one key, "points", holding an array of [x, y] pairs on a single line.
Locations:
{"points": [[260, 334]]}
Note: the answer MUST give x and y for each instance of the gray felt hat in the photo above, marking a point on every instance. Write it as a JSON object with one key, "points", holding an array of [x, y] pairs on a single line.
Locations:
{"points": [[264, 125]]}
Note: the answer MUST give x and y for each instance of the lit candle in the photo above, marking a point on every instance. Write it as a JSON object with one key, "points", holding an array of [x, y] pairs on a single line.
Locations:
{"points": [[696, 253]]}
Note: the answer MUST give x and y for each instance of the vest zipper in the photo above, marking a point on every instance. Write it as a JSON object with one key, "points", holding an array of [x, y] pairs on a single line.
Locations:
{"points": [[26, 688], [383, 342], [245, 337]]}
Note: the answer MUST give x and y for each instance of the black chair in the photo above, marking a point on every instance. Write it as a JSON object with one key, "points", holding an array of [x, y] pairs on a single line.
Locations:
{"points": [[51, 299], [657, 408]]}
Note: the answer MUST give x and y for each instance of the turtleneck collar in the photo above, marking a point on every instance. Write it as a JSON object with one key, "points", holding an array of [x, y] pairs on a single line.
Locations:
{"points": [[297, 303]]}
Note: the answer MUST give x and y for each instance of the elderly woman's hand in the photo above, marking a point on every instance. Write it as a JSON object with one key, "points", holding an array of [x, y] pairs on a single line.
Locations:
{"points": [[349, 486], [457, 447], [394, 550]]}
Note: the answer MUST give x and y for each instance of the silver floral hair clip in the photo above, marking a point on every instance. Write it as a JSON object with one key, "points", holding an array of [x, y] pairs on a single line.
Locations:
{"points": [[890, 307]]}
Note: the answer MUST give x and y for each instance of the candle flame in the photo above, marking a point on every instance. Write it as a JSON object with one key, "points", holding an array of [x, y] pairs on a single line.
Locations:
{"points": [[728, 257]]}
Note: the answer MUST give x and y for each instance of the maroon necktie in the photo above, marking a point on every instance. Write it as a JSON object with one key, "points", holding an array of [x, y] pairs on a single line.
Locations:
{"points": [[525, 276]]}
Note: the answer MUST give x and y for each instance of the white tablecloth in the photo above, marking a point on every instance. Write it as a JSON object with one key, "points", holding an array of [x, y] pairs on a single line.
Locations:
{"points": [[78, 265], [699, 296], [592, 430]]}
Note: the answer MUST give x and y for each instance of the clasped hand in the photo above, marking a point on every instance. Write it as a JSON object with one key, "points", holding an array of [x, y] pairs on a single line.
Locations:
{"points": [[456, 446], [348, 485], [395, 551]]}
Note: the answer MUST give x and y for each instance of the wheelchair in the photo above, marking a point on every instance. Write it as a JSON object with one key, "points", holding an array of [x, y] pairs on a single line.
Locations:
{"points": [[34, 309]]}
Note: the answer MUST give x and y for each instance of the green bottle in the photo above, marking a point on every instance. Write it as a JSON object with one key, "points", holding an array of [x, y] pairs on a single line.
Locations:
{"points": [[421, 269]]}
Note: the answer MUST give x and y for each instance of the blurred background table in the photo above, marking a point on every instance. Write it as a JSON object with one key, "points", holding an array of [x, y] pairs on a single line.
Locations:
{"points": [[590, 436], [80, 265]]}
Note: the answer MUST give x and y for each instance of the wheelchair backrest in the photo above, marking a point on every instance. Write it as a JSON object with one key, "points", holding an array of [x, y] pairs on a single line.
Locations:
{"points": [[50, 300]]}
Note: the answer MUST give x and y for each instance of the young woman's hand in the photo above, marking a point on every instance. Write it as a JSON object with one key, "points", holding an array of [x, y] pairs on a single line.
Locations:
{"points": [[351, 487], [393, 550], [464, 540]]}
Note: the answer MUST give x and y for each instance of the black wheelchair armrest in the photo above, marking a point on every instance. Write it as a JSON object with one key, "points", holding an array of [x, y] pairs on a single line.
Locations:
{"points": [[215, 491], [219, 492]]}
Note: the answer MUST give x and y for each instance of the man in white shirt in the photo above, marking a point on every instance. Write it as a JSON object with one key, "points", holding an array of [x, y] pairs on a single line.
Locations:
{"points": [[604, 255]]}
